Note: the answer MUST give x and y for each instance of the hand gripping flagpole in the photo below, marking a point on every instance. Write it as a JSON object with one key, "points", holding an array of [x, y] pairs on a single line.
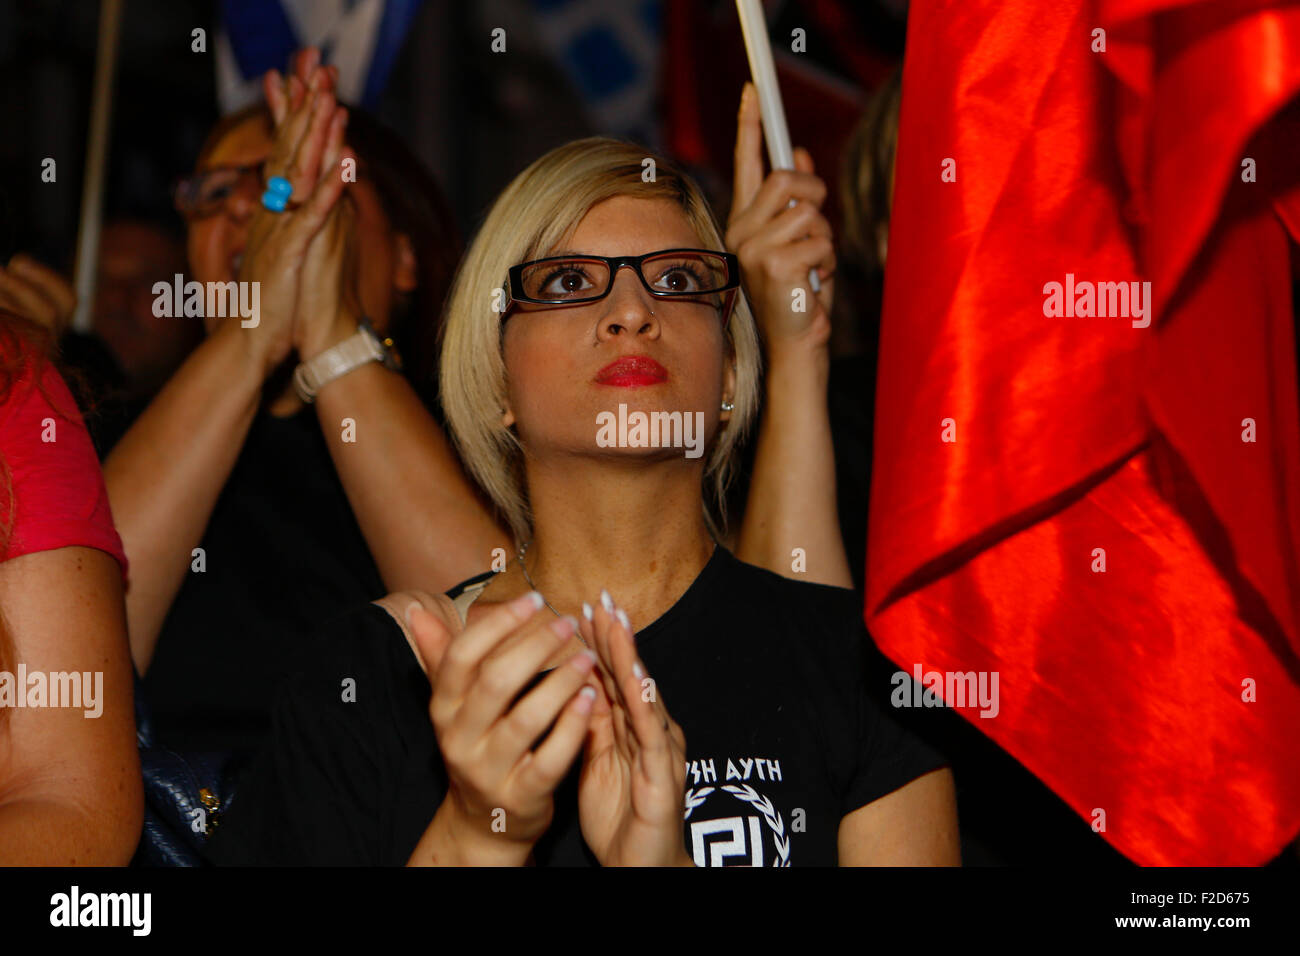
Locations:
{"points": [[781, 155]]}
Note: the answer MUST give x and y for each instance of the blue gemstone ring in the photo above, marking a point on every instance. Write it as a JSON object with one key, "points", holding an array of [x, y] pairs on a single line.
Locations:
{"points": [[278, 191]]}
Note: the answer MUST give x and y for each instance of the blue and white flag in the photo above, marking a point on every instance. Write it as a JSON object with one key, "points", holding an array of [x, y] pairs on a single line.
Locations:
{"points": [[361, 37]]}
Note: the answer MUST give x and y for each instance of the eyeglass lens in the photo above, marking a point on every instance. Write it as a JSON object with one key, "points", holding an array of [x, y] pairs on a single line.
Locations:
{"points": [[204, 192], [576, 278]]}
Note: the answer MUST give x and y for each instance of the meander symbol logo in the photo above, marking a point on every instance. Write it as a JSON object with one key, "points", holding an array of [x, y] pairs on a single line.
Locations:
{"points": [[737, 840]]}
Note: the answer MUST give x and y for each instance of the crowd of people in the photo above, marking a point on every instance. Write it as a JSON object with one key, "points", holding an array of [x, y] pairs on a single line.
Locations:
{"points": [[368, 554]]}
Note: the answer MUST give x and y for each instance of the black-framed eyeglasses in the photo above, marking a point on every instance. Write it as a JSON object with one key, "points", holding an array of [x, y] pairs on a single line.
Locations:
{"points": [[702, 275]]}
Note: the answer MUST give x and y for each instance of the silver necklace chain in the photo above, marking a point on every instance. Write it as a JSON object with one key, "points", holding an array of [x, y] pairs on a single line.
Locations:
{"points": [[527, 577]]}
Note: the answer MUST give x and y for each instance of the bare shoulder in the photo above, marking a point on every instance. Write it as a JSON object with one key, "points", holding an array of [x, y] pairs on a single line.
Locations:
{"points": [[397, 603]]}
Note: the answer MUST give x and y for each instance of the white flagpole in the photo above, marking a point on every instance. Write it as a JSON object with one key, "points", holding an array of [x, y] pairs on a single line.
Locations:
{"points": [[92, 190], [753, 24]]}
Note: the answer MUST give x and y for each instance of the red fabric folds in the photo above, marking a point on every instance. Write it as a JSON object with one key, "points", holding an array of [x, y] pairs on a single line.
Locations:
{"points": [[1126, 690]]}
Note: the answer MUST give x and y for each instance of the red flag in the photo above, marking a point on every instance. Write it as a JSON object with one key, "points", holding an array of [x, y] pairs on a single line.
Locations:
{"points": [[1103, 512]]}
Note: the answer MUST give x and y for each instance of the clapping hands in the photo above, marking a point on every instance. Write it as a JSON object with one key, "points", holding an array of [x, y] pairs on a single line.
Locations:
{"points": [[501, 756], [283, 247], [634, 760]]}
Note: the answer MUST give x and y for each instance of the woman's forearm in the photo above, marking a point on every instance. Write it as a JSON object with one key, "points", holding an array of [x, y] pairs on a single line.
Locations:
{"points": [[792, 503], [166, 473], [426, 527]]}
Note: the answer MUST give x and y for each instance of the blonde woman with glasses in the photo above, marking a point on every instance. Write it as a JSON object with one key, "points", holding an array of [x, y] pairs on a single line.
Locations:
{"points": [[625, 691]]}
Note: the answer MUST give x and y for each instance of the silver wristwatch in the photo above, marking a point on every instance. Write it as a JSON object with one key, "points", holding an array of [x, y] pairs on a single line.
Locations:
{"points": [[352, 353]]}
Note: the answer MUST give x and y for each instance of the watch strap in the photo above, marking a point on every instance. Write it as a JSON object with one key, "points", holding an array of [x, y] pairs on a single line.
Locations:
{"points": [[353, 352]]}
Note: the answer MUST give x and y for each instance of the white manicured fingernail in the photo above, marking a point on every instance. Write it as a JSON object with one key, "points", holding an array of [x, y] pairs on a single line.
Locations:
{"points": [[606, 601], [532, 601], [638, 671], [622, 619], [587, 612]]}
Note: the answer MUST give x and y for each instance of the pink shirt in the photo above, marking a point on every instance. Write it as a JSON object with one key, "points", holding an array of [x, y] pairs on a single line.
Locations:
{"points": [[52, 471]]}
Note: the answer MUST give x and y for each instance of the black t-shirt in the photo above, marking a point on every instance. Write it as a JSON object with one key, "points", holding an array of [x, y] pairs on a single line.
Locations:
{"points": [[283, 552], [766, 676]]}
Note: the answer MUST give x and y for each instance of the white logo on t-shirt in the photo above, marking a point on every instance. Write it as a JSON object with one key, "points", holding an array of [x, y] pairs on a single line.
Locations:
{"points": [[718, 841]]}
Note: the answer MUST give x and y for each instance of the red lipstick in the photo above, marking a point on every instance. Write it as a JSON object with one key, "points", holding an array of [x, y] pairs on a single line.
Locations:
{"points": [[632, 371]]}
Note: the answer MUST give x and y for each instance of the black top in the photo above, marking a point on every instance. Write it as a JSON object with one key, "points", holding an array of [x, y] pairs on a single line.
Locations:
{"points": [[765, 675], [283, 552]]}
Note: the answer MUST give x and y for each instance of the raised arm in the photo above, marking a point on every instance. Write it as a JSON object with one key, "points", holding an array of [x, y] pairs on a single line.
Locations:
{"points": [[426, 527], [792, 503], [165, 474], [70, 790]]}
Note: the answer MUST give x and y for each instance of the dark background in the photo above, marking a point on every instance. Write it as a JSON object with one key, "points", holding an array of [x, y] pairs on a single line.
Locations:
{"points": [[474, 117]]}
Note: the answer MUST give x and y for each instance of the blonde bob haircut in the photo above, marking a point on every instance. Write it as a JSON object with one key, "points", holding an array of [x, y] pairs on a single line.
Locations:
{"points": [[536, 212]]}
